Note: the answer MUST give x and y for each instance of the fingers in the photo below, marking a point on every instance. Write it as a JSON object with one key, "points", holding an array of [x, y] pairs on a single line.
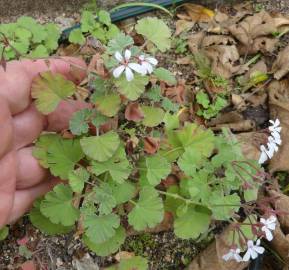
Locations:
{"points": [[29, 172], [16, 80], [6, 127], [25, 198], [59, 119], [28, 125], [7, 186]]}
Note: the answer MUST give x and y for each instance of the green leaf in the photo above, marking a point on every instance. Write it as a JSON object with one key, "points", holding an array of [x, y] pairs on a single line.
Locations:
{"points": [[39, 52], [112, 32], [158, 168], [133, 89], [119, 43], [23, 251], [100, 148], [23, 34], [44, 224], [171, 204], [104, 197], [134, 263], [152, 116], [171, 121], [4, 231], [104, 17], [108, 105], [148, 211], [58, 207], [41, 148], [77, 179], [109, 246], [53, 34], [192, 223], [191, 136], [100, 229], [154, 94], [165, 75], [191, 160], [156, 31], [122, 192], [76, 37], [88, 22], [62, 155], [170, 106], [49, 89], [98, 119], [118, 166], [203, 99], [78, 123], [223, 207]]}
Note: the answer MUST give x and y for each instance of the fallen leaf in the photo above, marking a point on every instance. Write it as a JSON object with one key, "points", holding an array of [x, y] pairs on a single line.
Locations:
{"points": [[280, 243], [260, 24], [261, 44], [133, 112], [195, 41], [211, 257], [187, 60], [224, 60], [123, 255], [183, 26], [198, 13], [239, 102], [281, 65], [250, 143], [279, 108], [151, 145], [244, 125], [176, 93], [86, 263], [96, 66], [29, 265], [217, 40]]}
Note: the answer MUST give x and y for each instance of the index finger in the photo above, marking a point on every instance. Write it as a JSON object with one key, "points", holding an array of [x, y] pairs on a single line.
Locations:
{"points": [[16, 81]]}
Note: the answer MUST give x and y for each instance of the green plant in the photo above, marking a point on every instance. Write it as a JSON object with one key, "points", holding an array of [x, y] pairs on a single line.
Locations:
{"points": [[209, 109], [97, 25], [180, 44], [28, 38]]}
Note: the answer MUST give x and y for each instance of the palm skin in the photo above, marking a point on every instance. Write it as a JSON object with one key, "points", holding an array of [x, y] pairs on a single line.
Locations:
{"points": [[22, 180]]}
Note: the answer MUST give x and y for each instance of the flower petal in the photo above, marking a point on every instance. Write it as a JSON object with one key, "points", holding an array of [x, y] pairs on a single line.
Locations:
{"points": [[263, 158], [127, 55], [137, 68], [152, 60], [259, 250], [118, 71], [148, 67], [237, 258], [118, 56], [227, 256], [247, 255], [128, 74]]}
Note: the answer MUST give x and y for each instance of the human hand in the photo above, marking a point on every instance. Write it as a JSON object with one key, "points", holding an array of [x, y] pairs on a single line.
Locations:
{"points": [[22, 179]]}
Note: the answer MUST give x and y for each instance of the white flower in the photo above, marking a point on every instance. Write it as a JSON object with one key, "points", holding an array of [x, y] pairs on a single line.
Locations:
{"points": [[269, 226], [148, 63], [273, 141], [253, 250], [126, 66], [233, 254]]}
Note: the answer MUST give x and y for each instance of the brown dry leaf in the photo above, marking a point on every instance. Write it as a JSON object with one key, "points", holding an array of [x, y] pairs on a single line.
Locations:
{"points": [[260, 24], [195, 41], [176, 93], [96, 65], [217, 40], [279, 108], [244, 125], [183, 26], [151, 145], [198, 13], [187, 60], [122, 255], [239, 102], [81, 93], [281, 66], [223, 59], [281, 204], [225, 118], [133, 112], [250, 143], [211, 257], [261, 44], [280, 244], [257, 99]]}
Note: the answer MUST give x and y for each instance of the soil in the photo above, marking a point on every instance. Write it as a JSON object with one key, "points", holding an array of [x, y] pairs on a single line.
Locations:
{"points": [[164, 250]]}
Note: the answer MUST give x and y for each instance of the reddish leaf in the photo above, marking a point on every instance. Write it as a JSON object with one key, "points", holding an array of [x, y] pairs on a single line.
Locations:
{"points": [[170, 180], [175, 93], [133, 112], [23, 241], [29, 265], [151, 145]]}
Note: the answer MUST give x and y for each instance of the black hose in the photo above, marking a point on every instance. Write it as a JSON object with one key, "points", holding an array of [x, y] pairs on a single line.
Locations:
{"points": [[128, 12]]}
